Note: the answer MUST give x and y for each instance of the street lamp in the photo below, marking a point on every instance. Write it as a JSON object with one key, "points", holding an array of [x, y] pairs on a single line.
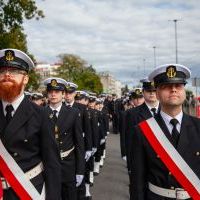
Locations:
{"points": [[144, 60], [176, 40], [154, 53]]}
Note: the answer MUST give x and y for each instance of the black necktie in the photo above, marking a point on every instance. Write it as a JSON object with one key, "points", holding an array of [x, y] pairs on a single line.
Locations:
{"points": [[9, 109], [175, 133], [54, 116], [153, 110]]}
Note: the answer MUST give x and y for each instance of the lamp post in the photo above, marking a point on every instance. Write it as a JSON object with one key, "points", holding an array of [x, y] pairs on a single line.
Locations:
{"points": [[154, 55], [144, 60], [176, 39]]}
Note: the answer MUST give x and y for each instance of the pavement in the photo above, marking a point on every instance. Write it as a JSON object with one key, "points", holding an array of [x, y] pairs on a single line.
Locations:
{"points": [[112, 182]]}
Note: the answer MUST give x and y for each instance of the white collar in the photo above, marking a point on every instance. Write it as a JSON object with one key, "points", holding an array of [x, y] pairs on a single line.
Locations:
{"points": [[167, 118], [149, 107], [69, 104], [15, 103], [58, 108]]}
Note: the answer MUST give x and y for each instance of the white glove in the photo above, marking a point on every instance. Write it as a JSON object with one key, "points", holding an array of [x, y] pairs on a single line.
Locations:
{"points": [[124, 158], [88, 155], [79, 179], [94, 151], [102, 141]]}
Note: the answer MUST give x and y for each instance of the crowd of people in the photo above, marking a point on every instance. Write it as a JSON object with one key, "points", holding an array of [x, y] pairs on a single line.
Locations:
{"points": [[52, 144], [159, 141]]}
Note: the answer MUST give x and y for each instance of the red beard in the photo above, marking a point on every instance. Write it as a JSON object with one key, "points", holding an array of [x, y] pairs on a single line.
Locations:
{"points": [[10, 89]]}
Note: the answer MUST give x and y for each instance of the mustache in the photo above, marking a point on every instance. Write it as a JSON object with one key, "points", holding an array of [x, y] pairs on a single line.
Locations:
{"points": [[7, 79]]}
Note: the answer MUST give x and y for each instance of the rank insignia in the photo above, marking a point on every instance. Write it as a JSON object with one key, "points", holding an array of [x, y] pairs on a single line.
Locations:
{"points": [[171, 71]]}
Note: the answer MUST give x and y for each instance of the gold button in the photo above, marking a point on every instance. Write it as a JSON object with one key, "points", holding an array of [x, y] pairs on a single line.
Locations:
{"points": [[197, 153], [25, 140], [157, 156], [61, 142], [172, 187], [170, 173]]}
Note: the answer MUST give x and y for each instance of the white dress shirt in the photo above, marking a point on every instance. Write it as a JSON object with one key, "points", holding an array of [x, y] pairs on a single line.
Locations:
{"points": [[168, 118], [57, 109], [15, 104]]}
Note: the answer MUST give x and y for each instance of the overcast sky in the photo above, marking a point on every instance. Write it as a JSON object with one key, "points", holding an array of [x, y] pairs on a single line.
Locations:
{"points": [[117, 35]]}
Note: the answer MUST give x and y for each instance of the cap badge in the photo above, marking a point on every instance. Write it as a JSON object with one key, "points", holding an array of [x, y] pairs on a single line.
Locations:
{"points": [[137, 91], [9, 55], [152, 84], [67, 86], [54, 83], [171, 71]]}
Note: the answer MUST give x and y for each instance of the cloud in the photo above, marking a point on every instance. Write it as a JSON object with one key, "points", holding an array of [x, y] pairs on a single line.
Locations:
{"points": [[116, 35]]}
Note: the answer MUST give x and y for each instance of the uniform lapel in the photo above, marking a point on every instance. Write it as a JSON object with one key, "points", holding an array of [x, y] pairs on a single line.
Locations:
{"points": [[2, 119], [62, 116], [163, 126], [50, 115], [22, 114], [145, 112], [186, 129]]}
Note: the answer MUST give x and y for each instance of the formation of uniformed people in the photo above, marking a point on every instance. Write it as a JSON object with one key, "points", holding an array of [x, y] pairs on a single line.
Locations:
{"points": [[158, 140], [51, 147]]}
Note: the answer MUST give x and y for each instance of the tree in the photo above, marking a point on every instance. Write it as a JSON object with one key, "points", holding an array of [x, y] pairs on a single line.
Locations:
{"points": [[88, 80], [15, 39], [75, 69], [12, 15], [34, 81], [71, 66]]}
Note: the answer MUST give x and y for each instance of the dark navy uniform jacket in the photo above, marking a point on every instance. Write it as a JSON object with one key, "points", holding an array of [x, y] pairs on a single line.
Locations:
{"points": [[86, 125], [29, 140], [147, 166], [133, 117], [70, 135]]}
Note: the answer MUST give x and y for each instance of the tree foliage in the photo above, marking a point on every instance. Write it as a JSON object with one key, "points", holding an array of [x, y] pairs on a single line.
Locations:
{"points": [[75, 69], [12, 15], [34, 81]]}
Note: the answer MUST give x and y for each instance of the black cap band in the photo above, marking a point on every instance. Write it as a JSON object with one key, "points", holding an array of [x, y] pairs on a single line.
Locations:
{"points": [[59, 86]]}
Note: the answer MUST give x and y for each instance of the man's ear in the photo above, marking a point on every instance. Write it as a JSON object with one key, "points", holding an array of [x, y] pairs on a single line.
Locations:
{"points": [[26, 79]]}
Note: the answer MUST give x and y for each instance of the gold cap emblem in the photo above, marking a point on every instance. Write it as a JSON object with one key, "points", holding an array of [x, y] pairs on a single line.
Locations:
{"points": [[67, 86], [9, 55], [152, 84], [171, 71], [54, 83], [137, 91]]}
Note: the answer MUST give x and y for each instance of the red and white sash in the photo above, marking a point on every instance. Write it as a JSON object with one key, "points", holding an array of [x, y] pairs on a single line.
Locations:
{"points": [[171, 158], [17, 178], [1, 191]]}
